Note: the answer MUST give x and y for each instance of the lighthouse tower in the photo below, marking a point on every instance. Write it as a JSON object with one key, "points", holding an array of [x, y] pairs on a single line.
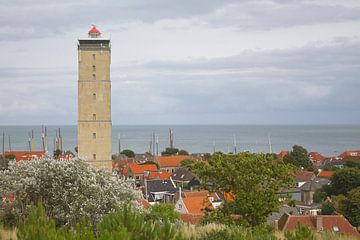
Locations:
{"points": [[94, 100]]}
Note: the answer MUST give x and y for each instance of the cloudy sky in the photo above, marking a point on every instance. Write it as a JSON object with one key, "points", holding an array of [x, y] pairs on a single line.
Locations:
{"points": [[186, 62]]}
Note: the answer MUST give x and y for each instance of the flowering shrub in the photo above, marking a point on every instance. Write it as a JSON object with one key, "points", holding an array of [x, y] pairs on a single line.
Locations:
{"points": [[69, 190]]}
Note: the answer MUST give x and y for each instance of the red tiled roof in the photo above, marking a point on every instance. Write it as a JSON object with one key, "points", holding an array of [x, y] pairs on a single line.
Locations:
{"points": [[332, 223], [158, 175], [191, 218], [196, 205], [303, 176], [144, 203], [315, 156], [19, 156], [138, 169], [203, 194], [326, 174], [171, 161], [350, 153], [282, 154]]}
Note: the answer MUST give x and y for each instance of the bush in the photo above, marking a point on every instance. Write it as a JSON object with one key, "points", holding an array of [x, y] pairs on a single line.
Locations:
{"points": [[69, 190], [300, 233], [129, 153]]}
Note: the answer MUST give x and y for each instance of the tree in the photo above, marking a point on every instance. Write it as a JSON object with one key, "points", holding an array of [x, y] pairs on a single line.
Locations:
{"points": [[10, 156], [300, 233], [252, 181], [183, 152], [57, 153], [188, 163], [351, 207], [170, 151], [319, 195], [352, 164], [299, 158], [4, 163], [344, 180], [327, 208], [69, 190], [129, 153], [163, 212]]}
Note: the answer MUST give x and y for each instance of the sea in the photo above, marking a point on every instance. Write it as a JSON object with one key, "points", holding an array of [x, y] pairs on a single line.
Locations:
{"points": [[329, 140]]}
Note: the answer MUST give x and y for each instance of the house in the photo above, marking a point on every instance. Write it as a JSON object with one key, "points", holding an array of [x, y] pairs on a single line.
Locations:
{"points": [[196, 202], [136, 172], [159, 175], [326, 174], [275, 216], [282, 154], [25, 155], [159, 191], [349, 153], [301, 177], [332, 223], [309, 188], [170, 163], [184, 178], [68, 155], [315, 156]]}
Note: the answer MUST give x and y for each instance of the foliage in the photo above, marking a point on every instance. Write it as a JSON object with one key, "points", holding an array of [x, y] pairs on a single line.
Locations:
{"points": [[57, 153], [351, 207], [299, 157], [327, 208], [4, 163], [319, 195], [69, 190], [188, 163], [252, 181], [300, 233], [206, 156], [344, 180], [129, 153], [183, 152], [10, 156], [124, 223], [352, 164], [240, 233], [163, 212], [170, 151]]}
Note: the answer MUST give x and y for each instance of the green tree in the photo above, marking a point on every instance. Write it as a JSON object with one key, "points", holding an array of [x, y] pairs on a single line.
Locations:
{"points": [[163, 212], [183, 152], [327, 208], [129, 153], [343, 181], [351, 207], [319, 195], [170, 151], [352, 164], [57, 153], [188, 163], [10, 156], [299, 158], [252, 180]]}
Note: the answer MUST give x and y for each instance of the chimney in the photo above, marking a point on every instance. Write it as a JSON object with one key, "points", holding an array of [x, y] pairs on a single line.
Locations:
{"points": [[180, 197], [146, 190], [319, 223]]}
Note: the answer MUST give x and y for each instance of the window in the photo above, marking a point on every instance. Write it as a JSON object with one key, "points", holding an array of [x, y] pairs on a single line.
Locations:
{"points": [[94, 156], [94, 56], [94, 116], [94, 96], [94, 135], [94, 77], [94, 68]]}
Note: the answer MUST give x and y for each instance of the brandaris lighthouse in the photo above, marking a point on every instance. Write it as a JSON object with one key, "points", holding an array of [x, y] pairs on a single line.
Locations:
{"points": [[94, 100]]}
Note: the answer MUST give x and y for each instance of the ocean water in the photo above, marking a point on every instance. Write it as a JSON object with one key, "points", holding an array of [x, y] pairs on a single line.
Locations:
{"points": [[328, 140]]}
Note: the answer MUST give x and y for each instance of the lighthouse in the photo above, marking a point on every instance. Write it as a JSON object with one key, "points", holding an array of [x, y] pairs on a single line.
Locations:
{"points": [[94, 99]]}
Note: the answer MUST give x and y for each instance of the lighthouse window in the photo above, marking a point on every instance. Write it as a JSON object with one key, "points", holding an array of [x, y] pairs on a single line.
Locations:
{"points": [[94, 116], [94, 135], [93, 56], [94, 77], [94, 96], [94, 156], [94, 68]]}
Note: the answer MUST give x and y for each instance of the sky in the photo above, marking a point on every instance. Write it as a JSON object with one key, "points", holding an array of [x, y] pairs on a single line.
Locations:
{"points": [[186, 62]]}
